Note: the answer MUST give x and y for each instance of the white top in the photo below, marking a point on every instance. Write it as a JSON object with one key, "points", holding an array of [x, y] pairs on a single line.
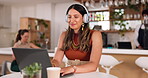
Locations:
{"points": [[84, 75], [137, 34]]}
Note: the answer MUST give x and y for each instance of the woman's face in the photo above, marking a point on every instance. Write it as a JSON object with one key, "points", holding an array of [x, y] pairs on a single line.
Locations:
{"points": [[145, 16], [25, 37], [75, 19]]}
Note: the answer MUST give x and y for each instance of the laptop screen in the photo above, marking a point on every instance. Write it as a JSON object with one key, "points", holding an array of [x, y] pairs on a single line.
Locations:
{"points": [[124, 45], [27, 56]]}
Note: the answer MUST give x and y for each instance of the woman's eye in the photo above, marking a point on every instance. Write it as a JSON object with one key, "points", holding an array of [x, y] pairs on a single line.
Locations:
{"points": [[69, 16], [76, 17]]}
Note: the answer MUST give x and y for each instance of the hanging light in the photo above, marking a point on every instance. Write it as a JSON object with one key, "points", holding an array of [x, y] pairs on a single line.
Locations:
{"points": [[102, 3], [116, 2], [143, 1], [92, 3], [110, 2], [126, 2], [137, 1], [107, 3], [87, 3]]}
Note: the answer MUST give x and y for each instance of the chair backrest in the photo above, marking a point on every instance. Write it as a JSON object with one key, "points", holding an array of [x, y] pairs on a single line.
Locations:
{"points": [[8, 64], [108, 60], [142, 62]]}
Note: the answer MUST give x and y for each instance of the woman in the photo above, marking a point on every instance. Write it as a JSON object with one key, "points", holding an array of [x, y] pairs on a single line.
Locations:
{"points": [[21, 42], [82, 46]]}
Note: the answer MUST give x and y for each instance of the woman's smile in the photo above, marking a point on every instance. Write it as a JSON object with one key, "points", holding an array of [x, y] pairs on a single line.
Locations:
{"points": [[72, 24]]}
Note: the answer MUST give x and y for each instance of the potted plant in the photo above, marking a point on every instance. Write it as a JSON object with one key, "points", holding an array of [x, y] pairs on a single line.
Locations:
{"points": [[43, 22], [117, 15], [32, 71], [122, 25]]}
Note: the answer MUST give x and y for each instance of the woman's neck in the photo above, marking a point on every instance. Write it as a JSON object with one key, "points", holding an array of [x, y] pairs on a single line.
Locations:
{"points": [[76, 31]]}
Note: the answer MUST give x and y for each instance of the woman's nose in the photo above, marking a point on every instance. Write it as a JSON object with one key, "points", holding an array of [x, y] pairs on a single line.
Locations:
{"points": [[72, 19]]}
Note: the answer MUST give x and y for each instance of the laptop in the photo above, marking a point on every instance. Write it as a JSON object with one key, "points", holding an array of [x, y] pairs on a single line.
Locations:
{"points": [[26, 56], [124, 45]]}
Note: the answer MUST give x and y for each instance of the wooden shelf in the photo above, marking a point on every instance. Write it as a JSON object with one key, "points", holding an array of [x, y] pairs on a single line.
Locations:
{"points": [[100, 21], [99, 11], [114, 31], [37, 35], [124, 19]]}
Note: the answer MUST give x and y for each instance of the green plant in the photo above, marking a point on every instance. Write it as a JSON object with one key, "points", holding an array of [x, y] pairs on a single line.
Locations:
{"points": [[42, 35], [43, 22], [117, 14], [32, 69], [122, 24]]}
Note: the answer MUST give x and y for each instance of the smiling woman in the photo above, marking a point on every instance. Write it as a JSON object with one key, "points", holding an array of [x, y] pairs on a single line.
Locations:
{"points": [[81, 45]]}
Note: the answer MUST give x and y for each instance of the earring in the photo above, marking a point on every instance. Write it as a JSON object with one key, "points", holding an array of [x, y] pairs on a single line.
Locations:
{"points": [[82, 26]]}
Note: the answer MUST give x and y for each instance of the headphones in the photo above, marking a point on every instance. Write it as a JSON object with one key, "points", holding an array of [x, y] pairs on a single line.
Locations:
{"points": [[85, 17]]}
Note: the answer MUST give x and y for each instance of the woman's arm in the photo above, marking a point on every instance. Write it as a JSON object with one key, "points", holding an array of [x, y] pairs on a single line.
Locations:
{"points": [[33, 46], [57, 60], [94, 57]]}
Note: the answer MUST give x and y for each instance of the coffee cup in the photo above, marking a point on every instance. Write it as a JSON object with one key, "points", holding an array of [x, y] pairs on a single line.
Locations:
{"points": [[53, 72]]}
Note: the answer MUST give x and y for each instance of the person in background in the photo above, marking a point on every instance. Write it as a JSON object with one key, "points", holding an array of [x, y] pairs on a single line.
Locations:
{"points": [[139, 32], [21, 42], [82, 46]]}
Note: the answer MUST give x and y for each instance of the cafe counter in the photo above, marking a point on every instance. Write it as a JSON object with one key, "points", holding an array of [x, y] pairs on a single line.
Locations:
{"points": [[127, 69]]}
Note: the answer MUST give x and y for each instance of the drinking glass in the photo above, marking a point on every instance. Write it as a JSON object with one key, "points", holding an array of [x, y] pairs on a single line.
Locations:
{"points": [[46, 41]]}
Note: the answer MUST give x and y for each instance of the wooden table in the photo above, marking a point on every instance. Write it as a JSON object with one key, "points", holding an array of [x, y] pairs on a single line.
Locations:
{"points": [[84, 75]]}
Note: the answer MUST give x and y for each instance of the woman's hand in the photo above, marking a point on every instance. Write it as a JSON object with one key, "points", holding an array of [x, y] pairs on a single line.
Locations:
{"points": [[67, 70], [54, 63], [140, 47]]}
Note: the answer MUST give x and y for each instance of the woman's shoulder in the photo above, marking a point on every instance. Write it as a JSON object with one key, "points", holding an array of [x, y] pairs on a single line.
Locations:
{"points": [[95, 32], [63, 34], [17, 44]]}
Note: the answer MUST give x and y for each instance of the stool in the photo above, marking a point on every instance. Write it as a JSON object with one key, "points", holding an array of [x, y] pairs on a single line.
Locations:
{"points": [[108, 62], [143, 63]]}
